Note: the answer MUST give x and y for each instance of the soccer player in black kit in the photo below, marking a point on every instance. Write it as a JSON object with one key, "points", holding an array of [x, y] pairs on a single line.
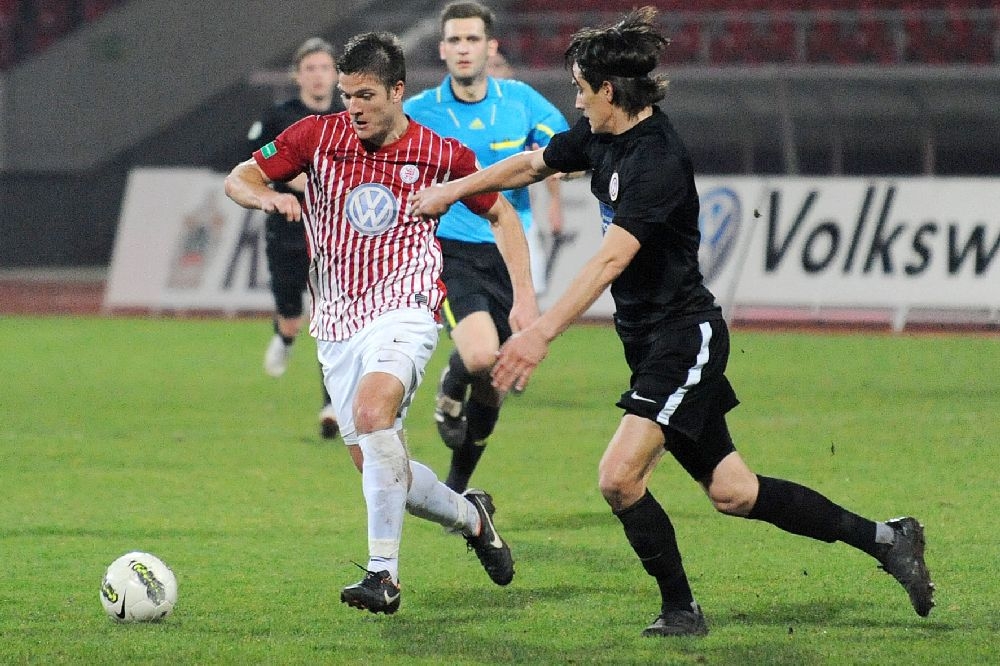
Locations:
{"points": [[315, 74], [675, 340]]}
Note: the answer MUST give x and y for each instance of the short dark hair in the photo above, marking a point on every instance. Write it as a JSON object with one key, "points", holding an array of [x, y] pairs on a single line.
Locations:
{"points": [[624, 54], [464, 10], [376, 53], [310, 46]]}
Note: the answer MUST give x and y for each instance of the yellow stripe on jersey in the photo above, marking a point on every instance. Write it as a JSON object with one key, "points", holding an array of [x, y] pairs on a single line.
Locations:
{"points": [[449, 316], [504, 145], [545, 128]]}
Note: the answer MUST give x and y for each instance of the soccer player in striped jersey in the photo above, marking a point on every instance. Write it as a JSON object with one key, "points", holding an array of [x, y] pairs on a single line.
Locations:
{"points": [[376, 289]]}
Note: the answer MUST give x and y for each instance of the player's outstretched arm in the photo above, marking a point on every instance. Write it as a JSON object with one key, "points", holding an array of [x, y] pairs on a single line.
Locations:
{"points": [[515, 171], [554, 187], [247, 185]]}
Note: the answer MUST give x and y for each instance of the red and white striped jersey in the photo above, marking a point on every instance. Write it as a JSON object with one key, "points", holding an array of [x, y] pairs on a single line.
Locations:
{"points": [[367, 255]]}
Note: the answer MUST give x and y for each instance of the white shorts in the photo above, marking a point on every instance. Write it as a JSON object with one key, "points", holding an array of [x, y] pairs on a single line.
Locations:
{"points": [[411, 334]]}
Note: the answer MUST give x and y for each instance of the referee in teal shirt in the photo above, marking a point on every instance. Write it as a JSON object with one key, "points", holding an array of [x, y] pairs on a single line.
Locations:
{"points": [[496, 118]]}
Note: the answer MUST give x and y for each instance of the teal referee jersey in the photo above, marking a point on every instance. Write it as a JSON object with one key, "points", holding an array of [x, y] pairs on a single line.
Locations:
{"points": [[511, 118]]}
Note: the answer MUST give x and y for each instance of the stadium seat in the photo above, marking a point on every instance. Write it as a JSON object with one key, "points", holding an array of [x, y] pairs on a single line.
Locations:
{"points": [[869, 38], [735, 43], [9, 9], [31, 26], [823, 44], [94, 9], [685, 42], [779, 43], [53, 19], [939, 38], [8, 18], [830, 32]]}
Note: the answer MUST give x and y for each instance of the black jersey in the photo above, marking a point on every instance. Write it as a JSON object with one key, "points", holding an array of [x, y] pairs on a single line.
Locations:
{"points": [[644, 182], [276, 120]]}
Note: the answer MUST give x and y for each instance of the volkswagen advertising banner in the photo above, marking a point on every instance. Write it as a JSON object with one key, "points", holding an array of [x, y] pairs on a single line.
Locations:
{"points": [[896, 244], [908, 242]]}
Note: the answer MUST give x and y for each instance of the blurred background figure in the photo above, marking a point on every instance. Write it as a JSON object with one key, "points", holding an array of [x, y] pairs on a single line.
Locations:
{"points": [[315, 73], [498, 66]]}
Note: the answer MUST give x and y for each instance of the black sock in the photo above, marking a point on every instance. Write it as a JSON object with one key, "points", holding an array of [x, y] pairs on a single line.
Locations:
{"points": [[651, 534], [463, 464], [804, 511], [458, 378], [481, 420]]}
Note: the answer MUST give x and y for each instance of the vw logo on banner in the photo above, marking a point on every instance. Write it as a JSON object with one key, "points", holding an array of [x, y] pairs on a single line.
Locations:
{"points": [[719, 221], [371, 208]]}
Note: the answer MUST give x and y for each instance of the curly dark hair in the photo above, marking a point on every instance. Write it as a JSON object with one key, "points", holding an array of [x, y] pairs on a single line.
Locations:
{"points": [[625, 55]]}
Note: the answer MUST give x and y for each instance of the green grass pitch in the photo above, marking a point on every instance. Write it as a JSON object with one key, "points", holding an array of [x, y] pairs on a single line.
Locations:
{"points": [[165, 435]]}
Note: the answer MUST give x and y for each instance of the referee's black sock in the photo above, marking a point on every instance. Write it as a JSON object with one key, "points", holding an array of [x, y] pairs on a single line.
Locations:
{"points": [[481, 420], [651, 534], [463, 464], [457, 379], [800, 510]]}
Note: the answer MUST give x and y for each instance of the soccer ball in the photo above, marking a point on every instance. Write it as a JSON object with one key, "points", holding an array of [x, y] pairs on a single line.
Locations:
{"points": [[138, 587]]}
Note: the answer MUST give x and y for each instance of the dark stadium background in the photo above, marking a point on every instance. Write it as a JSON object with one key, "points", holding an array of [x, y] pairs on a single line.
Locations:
{"points": [[92, 88]]}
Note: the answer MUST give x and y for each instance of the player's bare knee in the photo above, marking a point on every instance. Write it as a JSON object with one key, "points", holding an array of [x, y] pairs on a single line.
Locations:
{"points": [[732, 499], [613, 497], [607, 483], [618, 491], [371, 417], [479, 360]]}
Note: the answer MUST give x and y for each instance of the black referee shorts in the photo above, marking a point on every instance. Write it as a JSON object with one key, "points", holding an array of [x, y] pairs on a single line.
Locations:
{"points": [[477, 281], [678, 381], [287, 254]]}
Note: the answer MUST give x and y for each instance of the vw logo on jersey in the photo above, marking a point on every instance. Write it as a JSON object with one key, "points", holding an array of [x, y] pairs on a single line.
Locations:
{"points": [[613, 187], [371, 208], [719, 222]]}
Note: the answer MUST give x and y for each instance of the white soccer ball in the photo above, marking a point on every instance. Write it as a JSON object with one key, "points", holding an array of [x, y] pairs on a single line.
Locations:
{"points": [[138, 587]]}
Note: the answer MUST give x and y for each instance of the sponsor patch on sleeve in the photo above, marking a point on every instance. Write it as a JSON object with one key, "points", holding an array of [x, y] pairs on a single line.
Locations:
{"points": [[268, 150]]}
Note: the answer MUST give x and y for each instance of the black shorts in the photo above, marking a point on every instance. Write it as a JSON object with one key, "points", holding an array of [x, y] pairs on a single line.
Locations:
{"points": [[477, 281], [288, 262], [678, 381]]}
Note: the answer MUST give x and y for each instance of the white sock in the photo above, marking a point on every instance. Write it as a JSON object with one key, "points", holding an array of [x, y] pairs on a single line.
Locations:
{"points": [[432, 500], [383, 480]]}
